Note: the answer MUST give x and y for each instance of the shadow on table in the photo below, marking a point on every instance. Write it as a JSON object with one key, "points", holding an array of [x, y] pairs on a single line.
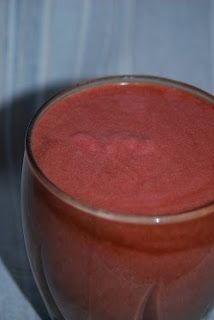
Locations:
{"points": [[14, 118]]}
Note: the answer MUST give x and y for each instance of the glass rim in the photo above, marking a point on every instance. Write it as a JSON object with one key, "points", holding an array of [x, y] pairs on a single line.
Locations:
{"points": [[101, 213]]}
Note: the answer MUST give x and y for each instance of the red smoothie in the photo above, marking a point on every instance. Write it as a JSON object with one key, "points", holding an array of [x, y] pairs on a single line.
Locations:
{"points": [[142, 149]]}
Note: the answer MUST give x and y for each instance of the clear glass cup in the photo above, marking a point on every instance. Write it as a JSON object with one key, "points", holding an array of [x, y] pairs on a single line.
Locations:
{"points": [[98, 265]]}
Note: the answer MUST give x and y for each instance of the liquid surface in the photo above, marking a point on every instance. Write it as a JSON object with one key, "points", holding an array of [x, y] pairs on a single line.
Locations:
{"points": [[141, 149]]}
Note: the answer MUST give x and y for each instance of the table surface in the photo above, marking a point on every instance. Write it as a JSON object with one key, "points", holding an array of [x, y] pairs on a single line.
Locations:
{"points": [[48, 44]]}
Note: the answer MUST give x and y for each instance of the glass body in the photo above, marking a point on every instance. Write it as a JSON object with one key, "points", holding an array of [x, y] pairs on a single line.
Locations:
{"points": [[97, 265]]}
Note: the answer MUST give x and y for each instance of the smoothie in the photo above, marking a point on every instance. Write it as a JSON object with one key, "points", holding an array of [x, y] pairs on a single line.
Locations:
{"points": [[142, 149], [117, 196]]}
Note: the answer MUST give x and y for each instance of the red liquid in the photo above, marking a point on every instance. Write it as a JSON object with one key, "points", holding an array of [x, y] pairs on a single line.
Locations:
{"points": [[135, 149], [90, 267]]}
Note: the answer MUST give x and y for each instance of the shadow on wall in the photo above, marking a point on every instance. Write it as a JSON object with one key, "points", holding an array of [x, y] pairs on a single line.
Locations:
{"points": [[14, 119]]}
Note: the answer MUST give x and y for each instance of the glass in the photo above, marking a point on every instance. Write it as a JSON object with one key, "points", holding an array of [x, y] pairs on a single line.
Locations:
{"points": [[98, 265]]}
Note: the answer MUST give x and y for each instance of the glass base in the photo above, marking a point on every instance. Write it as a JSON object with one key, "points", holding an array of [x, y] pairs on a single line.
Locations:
{"points": [[206, 316]]}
